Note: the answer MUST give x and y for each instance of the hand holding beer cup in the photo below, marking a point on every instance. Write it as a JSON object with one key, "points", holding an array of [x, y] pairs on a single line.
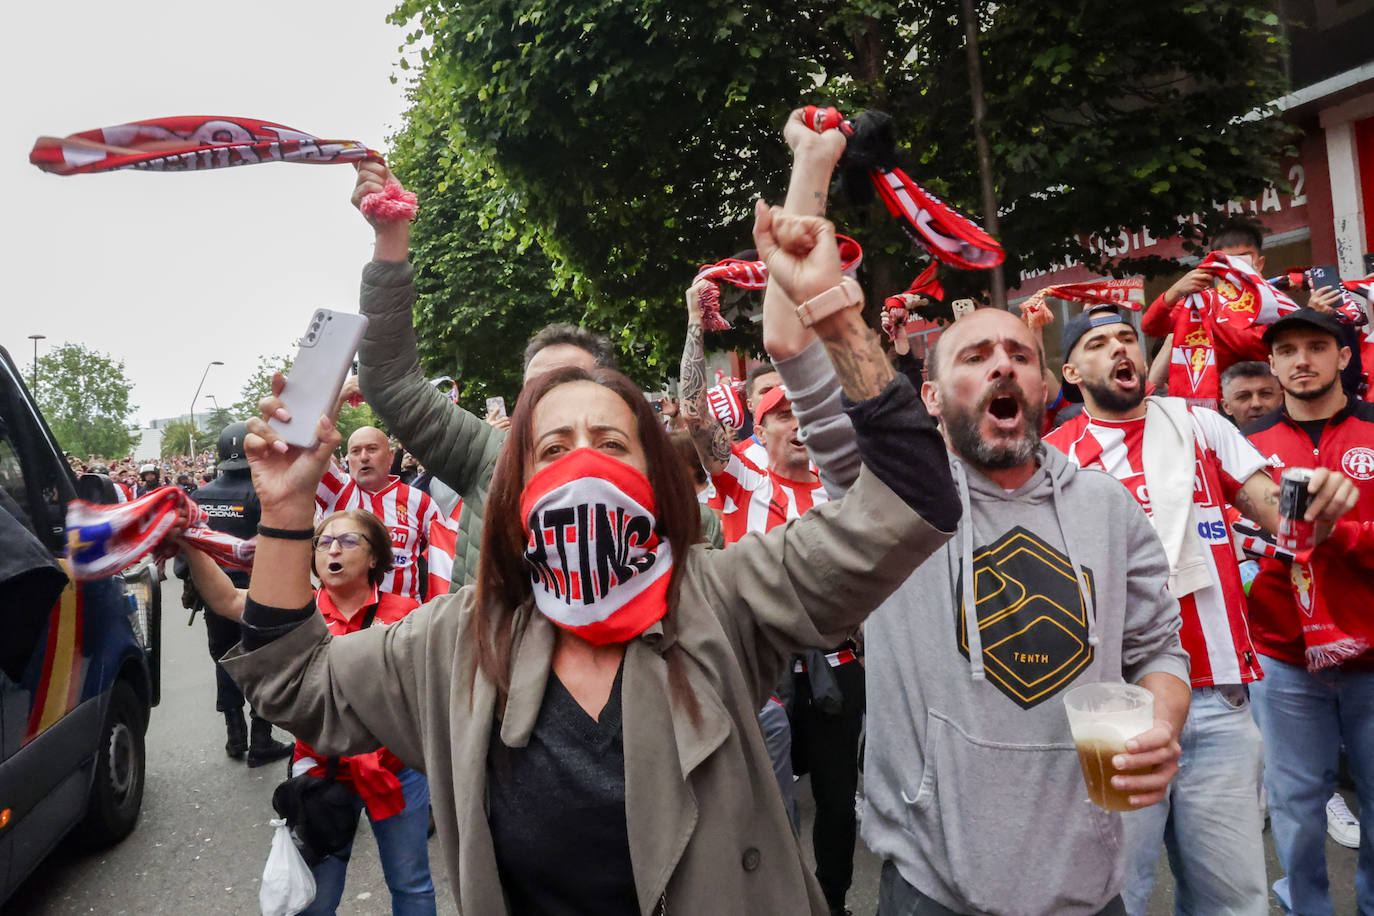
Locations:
{"points": [[1127, 755]]}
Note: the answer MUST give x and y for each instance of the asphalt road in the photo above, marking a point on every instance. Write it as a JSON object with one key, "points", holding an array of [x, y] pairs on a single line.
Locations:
{"points": [[203, 836]]}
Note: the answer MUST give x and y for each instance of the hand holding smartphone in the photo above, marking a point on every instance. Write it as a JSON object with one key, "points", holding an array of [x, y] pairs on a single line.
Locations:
{"points": [[496, 408], [1323, 276], [317, 376]]}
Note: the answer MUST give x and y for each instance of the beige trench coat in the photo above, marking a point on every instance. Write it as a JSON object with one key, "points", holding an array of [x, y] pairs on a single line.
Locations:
{"points": [[707, 829]]}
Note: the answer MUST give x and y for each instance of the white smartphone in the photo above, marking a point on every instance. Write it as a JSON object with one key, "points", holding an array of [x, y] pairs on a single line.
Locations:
{"points": [[317, 375], [496, 407]]}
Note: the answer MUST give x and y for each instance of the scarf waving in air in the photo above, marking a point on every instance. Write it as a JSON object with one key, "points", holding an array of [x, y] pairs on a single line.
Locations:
{"points": [[197, 142], [948, 235], [102, 540], [748, 274]]}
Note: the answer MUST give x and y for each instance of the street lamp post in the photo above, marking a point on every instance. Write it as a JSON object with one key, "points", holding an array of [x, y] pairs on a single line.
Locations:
{"points": [[191, 436], [33, 379]]}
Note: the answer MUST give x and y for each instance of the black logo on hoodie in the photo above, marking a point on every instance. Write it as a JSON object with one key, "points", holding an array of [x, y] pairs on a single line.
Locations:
{"points": [[1032, 619]]}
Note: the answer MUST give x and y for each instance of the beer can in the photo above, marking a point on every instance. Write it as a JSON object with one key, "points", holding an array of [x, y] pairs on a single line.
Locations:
{"points": [[1294, 533]]}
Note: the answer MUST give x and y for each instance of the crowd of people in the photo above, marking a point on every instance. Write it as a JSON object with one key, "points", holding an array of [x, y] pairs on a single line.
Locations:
{"points": [[651, 620], [133, 477]]}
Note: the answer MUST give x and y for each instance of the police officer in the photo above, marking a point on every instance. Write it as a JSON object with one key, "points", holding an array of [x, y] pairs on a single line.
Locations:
{"points": [[233, 507]]}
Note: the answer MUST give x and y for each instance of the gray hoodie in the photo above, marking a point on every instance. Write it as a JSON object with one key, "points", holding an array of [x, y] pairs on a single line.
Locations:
{"points": [[972, 785]]}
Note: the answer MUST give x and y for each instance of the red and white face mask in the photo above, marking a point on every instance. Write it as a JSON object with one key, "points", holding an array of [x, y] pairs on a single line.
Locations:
{"points": [[597, 565]]}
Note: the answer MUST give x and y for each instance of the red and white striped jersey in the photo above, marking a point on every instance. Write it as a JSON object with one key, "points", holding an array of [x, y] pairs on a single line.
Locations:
{"points": [[756, 500], [1216, 630], [405, 511], [443, 544], [752, 451]]}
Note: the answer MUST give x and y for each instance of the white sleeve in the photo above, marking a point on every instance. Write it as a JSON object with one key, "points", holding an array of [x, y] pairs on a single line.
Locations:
{"points": [[1238, 457]]}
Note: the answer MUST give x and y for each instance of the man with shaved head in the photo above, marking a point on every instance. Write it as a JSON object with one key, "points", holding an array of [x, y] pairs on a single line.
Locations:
{"points": [[973, 794], [405, 511]]}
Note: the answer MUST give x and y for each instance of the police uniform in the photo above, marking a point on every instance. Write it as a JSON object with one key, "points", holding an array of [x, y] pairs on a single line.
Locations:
{"points": [[232, 505]]}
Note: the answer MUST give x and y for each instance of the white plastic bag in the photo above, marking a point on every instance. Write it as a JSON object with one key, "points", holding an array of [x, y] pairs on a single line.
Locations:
{"points": [[288, 886]]}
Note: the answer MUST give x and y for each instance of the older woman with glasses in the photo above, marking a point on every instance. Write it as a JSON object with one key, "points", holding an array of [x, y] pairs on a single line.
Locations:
{"points": [[351, 556]]}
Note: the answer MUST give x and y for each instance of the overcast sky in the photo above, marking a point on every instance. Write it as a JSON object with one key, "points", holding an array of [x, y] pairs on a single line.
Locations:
{"points": [[170, 271]]}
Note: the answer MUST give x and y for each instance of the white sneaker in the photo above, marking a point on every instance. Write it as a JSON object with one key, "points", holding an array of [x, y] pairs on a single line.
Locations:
{"points": [[1341, 825]]}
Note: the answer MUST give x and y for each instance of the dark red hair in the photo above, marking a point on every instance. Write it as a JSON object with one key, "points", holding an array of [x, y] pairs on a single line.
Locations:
{"points": [[503, 579]]}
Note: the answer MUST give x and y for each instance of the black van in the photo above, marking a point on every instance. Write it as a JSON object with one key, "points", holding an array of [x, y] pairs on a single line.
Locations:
{"points": [[78, 661]]}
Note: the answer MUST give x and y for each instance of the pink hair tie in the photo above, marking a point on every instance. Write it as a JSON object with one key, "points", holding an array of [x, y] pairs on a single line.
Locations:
{"points": [[391, 204]]}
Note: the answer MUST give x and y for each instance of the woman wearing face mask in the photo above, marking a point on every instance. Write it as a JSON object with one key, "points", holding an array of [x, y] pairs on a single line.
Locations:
{"points": [[586, 712], [351, 556]]}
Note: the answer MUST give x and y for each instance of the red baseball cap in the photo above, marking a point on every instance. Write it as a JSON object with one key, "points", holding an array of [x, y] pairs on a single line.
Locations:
{"points": [[774, 398]]}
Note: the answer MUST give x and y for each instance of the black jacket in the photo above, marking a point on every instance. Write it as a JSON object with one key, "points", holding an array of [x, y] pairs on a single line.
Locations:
{"points": [[233, 507]]}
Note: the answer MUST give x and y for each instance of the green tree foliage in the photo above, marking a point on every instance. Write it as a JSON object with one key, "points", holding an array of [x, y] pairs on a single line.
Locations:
{"points": [[628, 141], [483, 289], [84, 397], [352, 419], [219, 418], [177, 437], [259, 385]]}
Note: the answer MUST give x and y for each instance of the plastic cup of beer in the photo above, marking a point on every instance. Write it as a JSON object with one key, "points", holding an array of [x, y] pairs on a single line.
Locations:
{"points": [[1102, 717]]}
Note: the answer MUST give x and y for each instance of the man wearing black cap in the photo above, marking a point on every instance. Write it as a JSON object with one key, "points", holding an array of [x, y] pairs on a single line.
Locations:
{"points": [[1184, 465], [1311, 620], [232, 505]]}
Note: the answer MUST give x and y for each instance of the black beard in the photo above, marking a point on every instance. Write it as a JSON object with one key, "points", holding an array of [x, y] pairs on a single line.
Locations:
{"points": [[961, 425], [1314, 394], [1111, 399]]}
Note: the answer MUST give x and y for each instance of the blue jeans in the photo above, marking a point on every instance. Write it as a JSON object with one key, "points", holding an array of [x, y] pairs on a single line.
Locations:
{"points": [[1209, 822], [897, 898], [402, 845], [1305, 718]]}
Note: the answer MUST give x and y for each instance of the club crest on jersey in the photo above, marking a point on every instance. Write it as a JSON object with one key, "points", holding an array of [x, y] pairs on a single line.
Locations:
{"points": [[402, 514], [1359, 463], [1303, 585], [1237, 300]]}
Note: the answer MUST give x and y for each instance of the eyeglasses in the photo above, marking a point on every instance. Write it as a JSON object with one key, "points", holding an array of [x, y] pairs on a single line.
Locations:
{"points": [[348, 540]]}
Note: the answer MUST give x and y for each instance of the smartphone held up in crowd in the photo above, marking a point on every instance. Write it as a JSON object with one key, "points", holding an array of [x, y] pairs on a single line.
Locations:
{"points": [[317, 375]]}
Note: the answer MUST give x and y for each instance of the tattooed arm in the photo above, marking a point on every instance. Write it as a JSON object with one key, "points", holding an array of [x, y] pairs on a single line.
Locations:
{"points": [[1332, 495], [709, 435]]}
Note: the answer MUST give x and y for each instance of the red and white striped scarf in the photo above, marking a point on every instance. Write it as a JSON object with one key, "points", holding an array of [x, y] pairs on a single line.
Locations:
{"points": [[725, 405], [932, 224], [103, 540], [1243, 296], [442, 546], [1127, 293], [195, 142], [897, 309], [754, 275], [1350, 310]]}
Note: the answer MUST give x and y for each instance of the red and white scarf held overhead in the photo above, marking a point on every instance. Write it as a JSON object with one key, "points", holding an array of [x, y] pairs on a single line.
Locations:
{"points": [[948, 235], [1241, 296], [196, 142], [897, 309], [754, 275], [1349, 310], [103, 540]]}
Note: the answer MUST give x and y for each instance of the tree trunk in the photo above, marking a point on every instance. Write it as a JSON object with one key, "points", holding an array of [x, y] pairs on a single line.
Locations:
{"points": [[975, 83]]}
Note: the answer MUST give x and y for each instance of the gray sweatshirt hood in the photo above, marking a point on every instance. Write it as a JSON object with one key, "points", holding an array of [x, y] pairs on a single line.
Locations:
{"points": [[1044, 485]]}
